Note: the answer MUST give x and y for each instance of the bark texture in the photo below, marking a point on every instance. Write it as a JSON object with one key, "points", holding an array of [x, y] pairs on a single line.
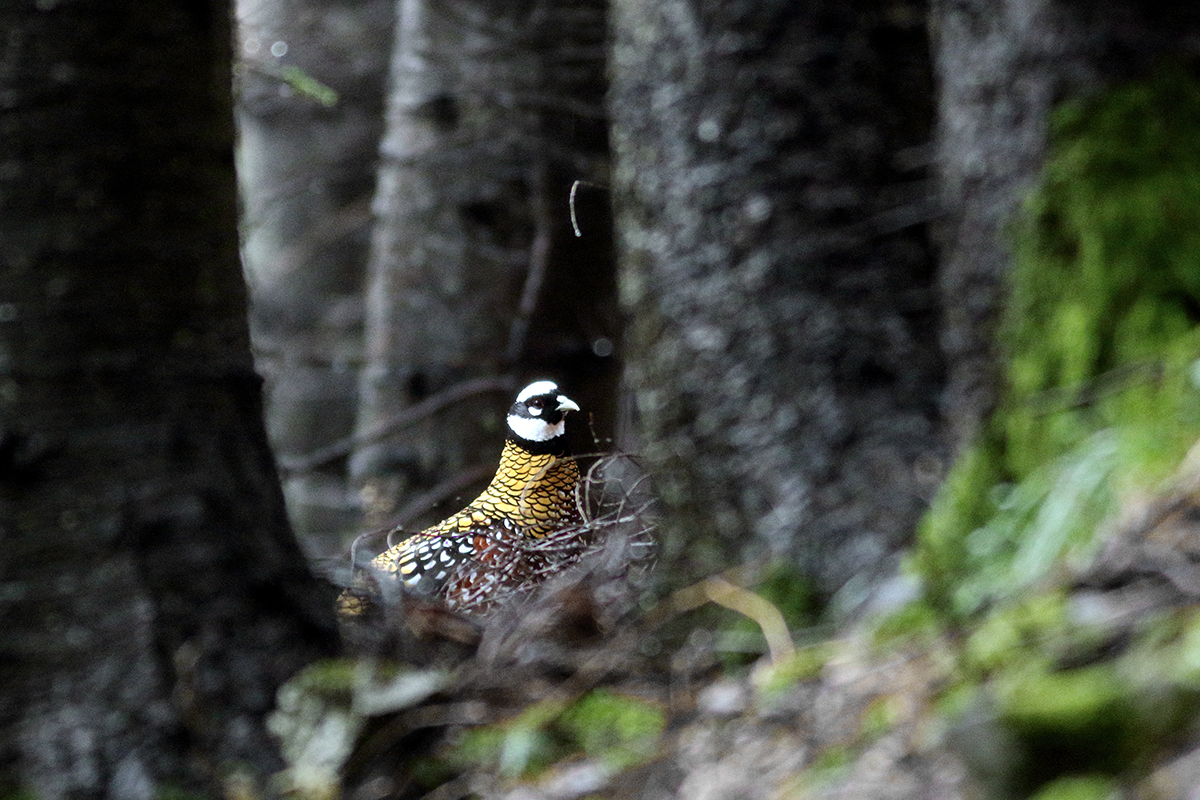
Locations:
{"points": [[771, 199], [1001, 67], [307, 162], [494, 107], [1072, 239], [152, 597]]}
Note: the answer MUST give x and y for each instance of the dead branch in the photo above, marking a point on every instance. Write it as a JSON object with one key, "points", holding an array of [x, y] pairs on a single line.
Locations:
{"points": [[445, 490], [393, 425], [539, 260]]}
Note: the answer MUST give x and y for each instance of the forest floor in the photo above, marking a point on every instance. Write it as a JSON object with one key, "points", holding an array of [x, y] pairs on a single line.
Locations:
{"points": [[1082, 684]]}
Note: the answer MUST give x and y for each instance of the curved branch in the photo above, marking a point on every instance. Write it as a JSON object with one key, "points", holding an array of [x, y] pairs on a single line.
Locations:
{"points": [[393, 425]]}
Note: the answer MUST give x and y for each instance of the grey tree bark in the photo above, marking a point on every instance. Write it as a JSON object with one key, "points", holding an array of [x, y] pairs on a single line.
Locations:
{"points": [[494, 107], [1000, 68], [306, 162], [771, 199], [152, 597]]}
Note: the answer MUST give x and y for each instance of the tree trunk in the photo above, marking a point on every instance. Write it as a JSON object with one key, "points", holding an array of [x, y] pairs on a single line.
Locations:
{"points": [[494, 108], [771, 197], [153, 597], [1064, 290], [1001, 67], [307, 167]]}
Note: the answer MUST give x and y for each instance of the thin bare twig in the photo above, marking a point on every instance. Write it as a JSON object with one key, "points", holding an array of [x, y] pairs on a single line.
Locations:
{"points": [[574, 189], [442, 491], [539, 260], [521, 564], [764, 614], [692, 597], [388, 427]]}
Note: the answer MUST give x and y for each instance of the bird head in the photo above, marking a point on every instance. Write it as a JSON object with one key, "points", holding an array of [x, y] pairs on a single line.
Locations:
{"points": [[537, 416]]}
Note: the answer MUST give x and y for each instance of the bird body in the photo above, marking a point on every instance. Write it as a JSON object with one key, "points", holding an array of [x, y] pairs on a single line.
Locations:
{"points": [[531, 496]]}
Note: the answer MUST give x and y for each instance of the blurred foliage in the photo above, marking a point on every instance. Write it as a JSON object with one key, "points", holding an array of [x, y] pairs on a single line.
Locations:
{"points": [[829, 766], [1042, 696], [1079, 787], [323, 712], [306, 85], [317, 727], [1101, 347], [740, 640], [773, 680], [1100, 406], [297, 80], [1038, 696], [164, 792], [618, 730]]}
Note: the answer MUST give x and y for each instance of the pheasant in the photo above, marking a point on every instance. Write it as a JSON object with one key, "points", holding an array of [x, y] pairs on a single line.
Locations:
{"points": [[484, 547]]}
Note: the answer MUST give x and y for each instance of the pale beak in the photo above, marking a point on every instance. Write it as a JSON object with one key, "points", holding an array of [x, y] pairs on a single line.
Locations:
{"points": [[566, 404]]}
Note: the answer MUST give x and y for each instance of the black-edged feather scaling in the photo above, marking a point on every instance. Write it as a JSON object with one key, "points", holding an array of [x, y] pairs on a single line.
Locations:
{"points": [[482, 547]]}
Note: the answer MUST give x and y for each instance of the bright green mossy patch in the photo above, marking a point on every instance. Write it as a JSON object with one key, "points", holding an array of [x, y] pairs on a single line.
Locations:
{"points": [[1079, 787], [774, 680], [619, 730], [1068, 698], [1070, 718], [526, 744], [1101, 345], [1038, 626]]}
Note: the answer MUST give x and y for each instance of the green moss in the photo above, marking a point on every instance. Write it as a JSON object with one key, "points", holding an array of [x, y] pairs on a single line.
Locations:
{"points": [[1072, 703], [740, 640], [477, 746], [1187, 652], [941, 557], [529, 744], [807, 662], [1074, 699], [1070, 721], [1037, 627], [880, 716], [955, 700], [619, 730], [791, 591], [1101, 328], [1079, 787], [830, 765], [985, 548], [1100, 339], [430, 771], [171, 791], [329, 677], [916, 620]]}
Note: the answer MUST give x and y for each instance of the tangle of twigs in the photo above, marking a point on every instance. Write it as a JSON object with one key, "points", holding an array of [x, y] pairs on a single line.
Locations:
{"points": [[616, 533]]}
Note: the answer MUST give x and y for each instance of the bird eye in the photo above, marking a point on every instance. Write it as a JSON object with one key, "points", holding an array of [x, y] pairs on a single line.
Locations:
{"points": [[535, 404]]}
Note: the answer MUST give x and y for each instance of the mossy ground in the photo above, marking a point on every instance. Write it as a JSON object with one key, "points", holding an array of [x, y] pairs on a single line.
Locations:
{"points": [[1100, 344], [1099, 408], [619, 731], [998, 665]]}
